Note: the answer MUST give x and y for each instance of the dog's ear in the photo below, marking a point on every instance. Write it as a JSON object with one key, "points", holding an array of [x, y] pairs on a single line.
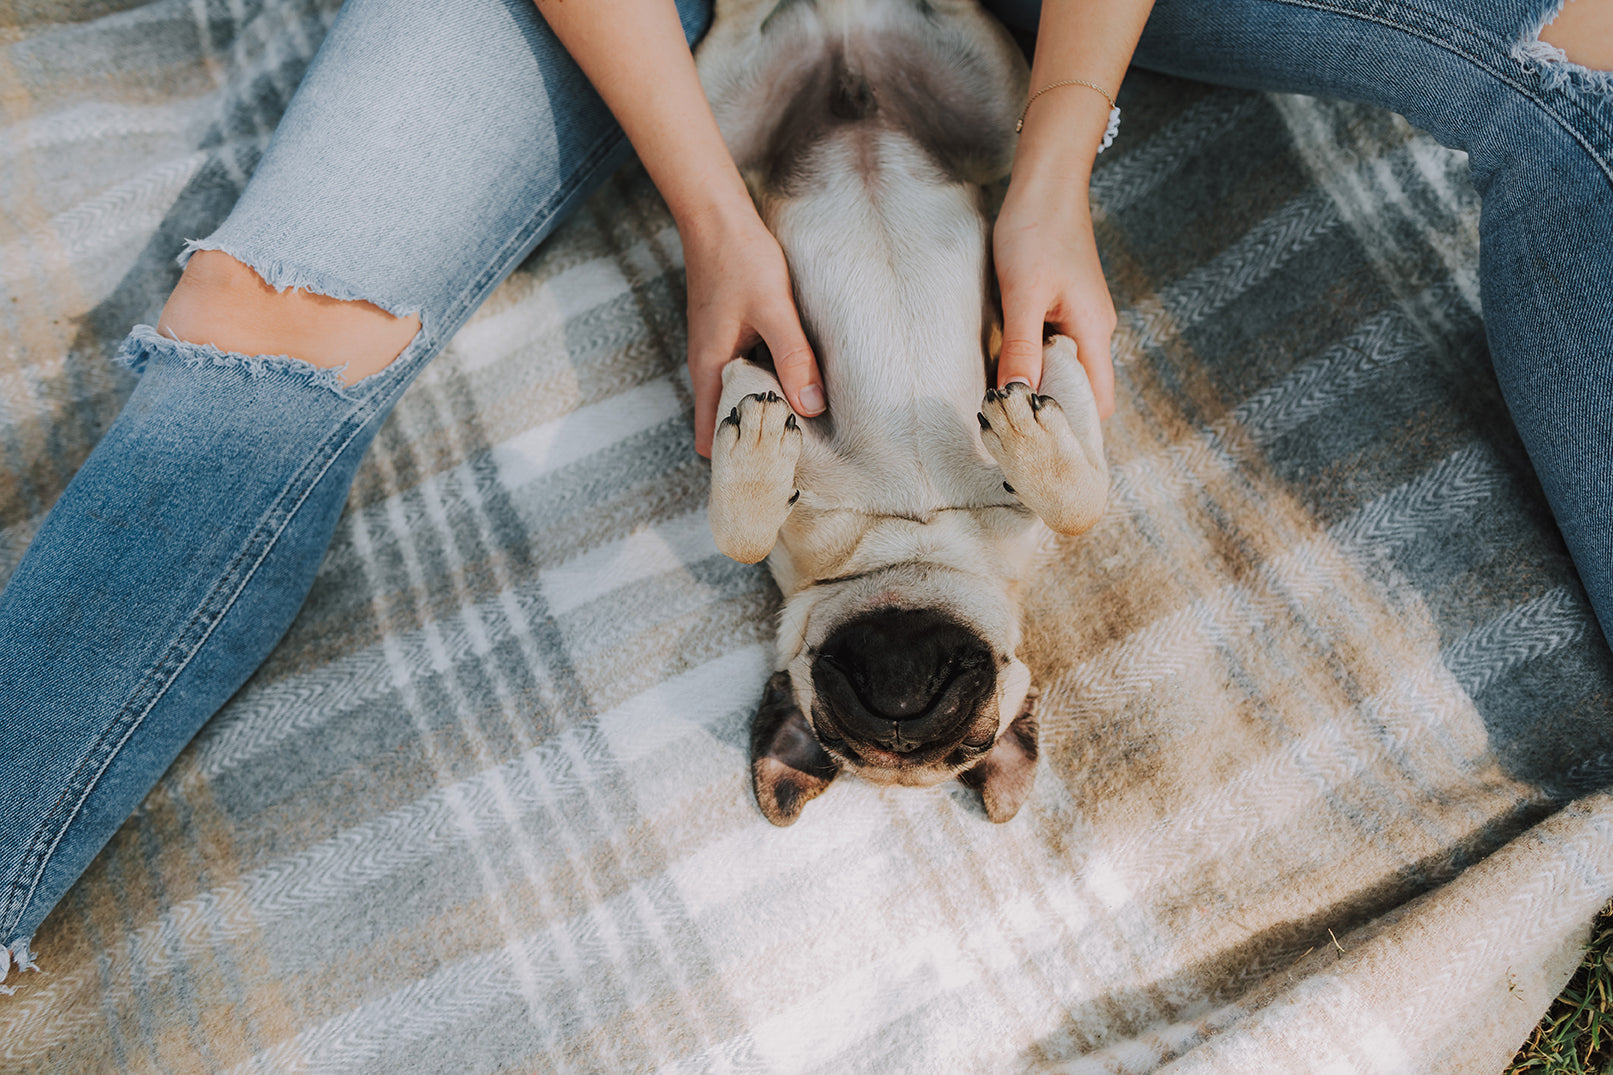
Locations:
{"points": [[1005, 775], [788, 767]]}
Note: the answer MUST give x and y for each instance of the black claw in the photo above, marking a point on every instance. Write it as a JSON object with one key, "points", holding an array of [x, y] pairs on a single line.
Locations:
{"points": [[733, 417], [795, 496], [1010, 488], [1036, 402], [772, 396], [790, 422], [984, 425]]}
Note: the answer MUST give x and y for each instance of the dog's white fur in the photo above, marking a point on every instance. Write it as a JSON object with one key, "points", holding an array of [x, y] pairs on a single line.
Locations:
{"points": [[879, 207]]}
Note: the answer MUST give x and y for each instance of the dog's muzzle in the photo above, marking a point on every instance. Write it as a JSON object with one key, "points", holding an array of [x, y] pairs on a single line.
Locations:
{"points": [[907, 682]]}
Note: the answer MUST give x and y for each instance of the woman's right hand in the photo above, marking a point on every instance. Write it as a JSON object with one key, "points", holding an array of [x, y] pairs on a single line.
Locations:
{"points": [[1045, 252], [1049, 275]]}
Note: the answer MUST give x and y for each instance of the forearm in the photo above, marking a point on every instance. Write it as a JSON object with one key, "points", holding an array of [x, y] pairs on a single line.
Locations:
{"points": [[634, 53], [1085, 39], [1048, 269]]}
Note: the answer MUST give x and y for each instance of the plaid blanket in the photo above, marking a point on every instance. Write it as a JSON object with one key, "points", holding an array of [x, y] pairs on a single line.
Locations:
{"points": [[1325, 714]]}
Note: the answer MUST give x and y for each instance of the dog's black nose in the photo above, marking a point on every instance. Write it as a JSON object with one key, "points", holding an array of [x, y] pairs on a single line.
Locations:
{"points": [[903, 678]]}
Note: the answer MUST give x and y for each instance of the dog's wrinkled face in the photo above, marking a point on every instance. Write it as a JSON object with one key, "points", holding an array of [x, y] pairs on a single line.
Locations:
{"points": [[893, 679]]}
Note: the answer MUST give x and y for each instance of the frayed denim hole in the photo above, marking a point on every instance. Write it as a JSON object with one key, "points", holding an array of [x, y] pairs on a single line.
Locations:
{"points": [[283, 275], [144, 342], [1551, 64], [15, 955], [420, 349]]}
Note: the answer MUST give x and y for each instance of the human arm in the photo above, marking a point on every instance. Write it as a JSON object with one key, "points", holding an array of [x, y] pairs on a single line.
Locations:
{"points": [[1045, 253], [634, 53]]}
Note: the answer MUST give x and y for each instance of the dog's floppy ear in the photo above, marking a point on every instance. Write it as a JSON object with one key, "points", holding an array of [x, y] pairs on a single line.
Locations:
{"points": [[787, 765], [1005, 775]]}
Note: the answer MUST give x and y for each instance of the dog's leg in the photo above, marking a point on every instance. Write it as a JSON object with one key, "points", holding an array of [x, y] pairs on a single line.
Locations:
{"points": [[1050, 447], [753, 461]]}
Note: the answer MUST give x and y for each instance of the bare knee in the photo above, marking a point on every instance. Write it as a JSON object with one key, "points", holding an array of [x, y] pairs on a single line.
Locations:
{"points": [[222, 302], [1584, 31]]}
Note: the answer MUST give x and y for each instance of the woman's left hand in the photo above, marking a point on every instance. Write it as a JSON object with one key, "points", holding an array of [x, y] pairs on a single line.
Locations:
{"points": [[739, 295]]}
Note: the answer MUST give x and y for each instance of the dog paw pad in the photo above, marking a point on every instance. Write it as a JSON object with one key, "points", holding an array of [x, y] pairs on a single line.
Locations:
{"points": [[753, 475], [1043, 463]]}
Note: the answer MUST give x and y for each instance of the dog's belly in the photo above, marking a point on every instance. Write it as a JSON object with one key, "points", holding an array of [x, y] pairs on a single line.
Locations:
{"points": [[890, 263]]}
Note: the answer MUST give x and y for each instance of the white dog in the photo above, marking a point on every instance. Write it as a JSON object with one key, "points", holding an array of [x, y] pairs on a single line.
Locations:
{"points": [[901, 523]]}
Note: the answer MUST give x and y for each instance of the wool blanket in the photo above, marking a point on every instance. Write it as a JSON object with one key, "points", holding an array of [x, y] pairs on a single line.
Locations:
{"points": [[1325, 715]]}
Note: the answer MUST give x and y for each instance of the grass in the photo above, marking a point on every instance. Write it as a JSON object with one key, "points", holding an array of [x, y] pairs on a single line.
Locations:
{"points": [[1576, 1036]]}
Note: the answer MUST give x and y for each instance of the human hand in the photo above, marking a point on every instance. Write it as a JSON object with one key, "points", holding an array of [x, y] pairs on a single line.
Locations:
{"points": [[1049, 274], [739, 295]]}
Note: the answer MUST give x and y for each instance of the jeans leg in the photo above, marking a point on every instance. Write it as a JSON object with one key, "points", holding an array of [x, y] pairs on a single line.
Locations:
{"points": [[1541, 152], [430, 147], [1540, 143]]}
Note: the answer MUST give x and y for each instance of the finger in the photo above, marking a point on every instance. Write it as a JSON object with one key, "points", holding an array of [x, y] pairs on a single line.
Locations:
{"points": [[1021, 356], [793, 361], [705, 376], [1092, 351]]}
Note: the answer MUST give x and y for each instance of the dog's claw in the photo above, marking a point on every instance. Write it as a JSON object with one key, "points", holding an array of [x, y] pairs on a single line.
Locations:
{"points": [[795, 496], [1008, 487], [790, 422], [984, 425], [1036, 402], [733, 417]]}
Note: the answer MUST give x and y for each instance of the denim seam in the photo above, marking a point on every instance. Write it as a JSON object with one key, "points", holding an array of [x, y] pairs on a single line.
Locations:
{"points": [[159, 678], [1416, 31]]}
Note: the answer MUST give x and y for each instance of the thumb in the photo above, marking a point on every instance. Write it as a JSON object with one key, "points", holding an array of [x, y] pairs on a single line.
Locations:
{"points": [[1021, 356], [706, 379], [793, 360]]}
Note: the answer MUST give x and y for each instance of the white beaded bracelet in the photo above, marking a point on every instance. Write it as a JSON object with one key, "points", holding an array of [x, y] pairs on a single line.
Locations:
{"points": [[1114, 109]]}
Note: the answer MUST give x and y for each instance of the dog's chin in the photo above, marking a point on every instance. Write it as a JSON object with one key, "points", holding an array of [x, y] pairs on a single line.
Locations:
{"points": [[898, 772], [923, 767]]}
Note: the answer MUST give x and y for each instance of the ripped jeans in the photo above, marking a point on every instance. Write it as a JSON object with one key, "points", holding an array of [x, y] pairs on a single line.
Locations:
{"points": [[181, 551]]}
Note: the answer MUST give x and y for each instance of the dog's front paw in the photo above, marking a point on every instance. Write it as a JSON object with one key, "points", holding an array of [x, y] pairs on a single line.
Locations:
{"points": [[1044, 462], [753, 475]]}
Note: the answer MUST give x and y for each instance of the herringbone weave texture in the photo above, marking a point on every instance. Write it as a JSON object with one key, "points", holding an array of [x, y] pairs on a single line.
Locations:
{"points": [[1326, 716]]}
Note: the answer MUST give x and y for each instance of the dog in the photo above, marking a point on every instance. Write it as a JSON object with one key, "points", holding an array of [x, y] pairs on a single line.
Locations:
{"points": [[901, 523]]}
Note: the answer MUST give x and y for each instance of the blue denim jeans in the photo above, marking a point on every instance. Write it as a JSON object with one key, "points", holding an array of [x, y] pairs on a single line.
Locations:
{"points": [[181, 551]]}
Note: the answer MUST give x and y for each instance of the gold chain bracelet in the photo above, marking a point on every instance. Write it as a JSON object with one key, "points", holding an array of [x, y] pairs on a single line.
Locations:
{"points": [[1114, 109]]}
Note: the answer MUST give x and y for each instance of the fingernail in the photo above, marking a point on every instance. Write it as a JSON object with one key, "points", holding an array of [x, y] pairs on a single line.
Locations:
{"points": [[812, 399], [1026, 381]]}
